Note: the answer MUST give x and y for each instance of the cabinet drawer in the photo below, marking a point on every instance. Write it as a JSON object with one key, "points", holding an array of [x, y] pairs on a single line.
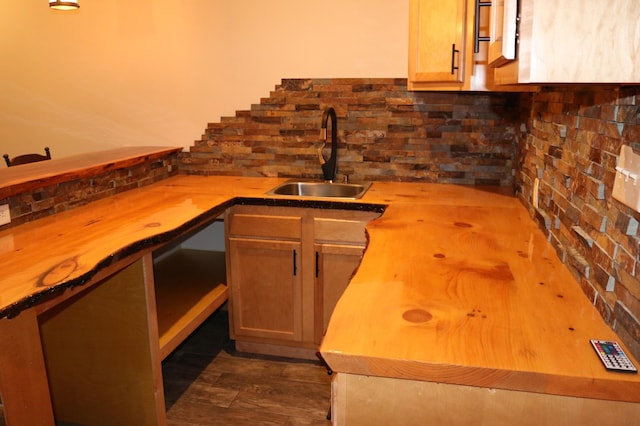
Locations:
{"points": [[348, 231], [265, 226]]}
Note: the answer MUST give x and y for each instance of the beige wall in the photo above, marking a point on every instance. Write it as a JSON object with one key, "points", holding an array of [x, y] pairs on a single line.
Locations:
{"points": [[154, 72]]}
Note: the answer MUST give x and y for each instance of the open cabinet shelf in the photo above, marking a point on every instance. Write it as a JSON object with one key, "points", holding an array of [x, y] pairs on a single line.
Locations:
{"points": [[190, 285], [104, 346]]}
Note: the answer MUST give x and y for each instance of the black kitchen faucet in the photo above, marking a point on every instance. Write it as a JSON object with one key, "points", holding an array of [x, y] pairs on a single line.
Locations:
{"points": [[330, 166]]}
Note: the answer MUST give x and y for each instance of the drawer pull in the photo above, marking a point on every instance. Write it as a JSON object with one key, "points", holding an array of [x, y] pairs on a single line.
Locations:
{"points": [[295, 266]]}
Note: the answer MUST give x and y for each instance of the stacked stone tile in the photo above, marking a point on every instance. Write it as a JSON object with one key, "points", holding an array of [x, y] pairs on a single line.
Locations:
{"points": [[80, 190], [571, 143], [385, 134]]}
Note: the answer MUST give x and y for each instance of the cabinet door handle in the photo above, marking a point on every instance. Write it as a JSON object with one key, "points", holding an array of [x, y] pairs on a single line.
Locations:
{"points": [[453, 58], [317, 264], [476, 27], [295, 263]]}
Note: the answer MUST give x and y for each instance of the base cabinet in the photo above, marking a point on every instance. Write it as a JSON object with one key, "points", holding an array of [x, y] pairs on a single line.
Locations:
{"points": [[335, 264], [267, 289], [286, 269]]}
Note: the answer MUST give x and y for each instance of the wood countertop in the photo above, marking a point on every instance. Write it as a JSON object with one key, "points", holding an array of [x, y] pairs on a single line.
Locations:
{"points": [[14, 180], [457, 284], [44, 257]]}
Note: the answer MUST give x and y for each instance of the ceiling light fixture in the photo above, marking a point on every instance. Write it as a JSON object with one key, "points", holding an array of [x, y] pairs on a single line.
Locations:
{"points": [[64, 5]]}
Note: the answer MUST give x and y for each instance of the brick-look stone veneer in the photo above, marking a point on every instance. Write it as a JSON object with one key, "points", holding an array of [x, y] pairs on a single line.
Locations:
{"points": [[55, 198], [385, 133], [571, 145]]}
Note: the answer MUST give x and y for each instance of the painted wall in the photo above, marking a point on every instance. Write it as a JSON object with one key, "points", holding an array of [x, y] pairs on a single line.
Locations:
{"points": [[155, 72]]}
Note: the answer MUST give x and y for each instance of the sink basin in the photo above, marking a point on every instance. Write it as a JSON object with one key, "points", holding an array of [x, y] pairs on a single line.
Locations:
{"points": [[301, 188]]}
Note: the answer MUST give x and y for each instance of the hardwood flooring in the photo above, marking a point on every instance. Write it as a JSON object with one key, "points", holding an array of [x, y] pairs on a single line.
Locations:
{"points": [[207, 382]]}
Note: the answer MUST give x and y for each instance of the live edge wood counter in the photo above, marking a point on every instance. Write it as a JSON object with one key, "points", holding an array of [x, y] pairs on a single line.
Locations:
{"points": [[461, 313], [457, 288], [77, 302]]}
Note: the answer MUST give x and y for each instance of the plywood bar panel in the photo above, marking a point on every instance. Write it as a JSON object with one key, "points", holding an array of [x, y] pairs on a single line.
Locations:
{"points": [[385, 401], [102, 355]]}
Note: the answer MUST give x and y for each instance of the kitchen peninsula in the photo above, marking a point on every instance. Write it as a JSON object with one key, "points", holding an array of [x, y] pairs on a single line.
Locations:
{"points": [[459, 307]]}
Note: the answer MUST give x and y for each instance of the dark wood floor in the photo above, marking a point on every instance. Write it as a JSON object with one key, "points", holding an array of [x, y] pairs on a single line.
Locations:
{"points": [[208, 383]]}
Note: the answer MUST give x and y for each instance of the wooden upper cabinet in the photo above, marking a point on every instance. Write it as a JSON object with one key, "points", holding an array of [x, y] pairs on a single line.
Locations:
{"points": [[575, 41], [448, 46], [437, 44]]}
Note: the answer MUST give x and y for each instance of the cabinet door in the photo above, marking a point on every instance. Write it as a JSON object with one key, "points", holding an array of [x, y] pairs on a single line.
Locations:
{"points": [[266, 288], [575, 41], [335, 264], [437, 41], [502, 45]]}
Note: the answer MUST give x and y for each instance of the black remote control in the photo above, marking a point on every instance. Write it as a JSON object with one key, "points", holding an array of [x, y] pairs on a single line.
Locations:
{"points": [[612, 356]]}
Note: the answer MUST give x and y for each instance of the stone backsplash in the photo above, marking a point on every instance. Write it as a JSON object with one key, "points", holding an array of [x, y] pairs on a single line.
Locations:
{"points": [[571, 145], [385, 134]]}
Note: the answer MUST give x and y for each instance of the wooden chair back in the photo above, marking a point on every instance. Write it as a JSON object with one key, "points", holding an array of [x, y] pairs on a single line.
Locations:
{"points": [[27, 158]]}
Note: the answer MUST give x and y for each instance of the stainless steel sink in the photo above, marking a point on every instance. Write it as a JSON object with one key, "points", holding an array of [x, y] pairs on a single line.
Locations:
{"points": [[303, 188]]}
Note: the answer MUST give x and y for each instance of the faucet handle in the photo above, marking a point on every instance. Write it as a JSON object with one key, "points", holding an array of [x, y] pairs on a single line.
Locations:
{"points": [[320, 156]]}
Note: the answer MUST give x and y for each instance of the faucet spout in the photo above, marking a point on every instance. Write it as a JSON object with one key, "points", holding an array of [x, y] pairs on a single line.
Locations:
{"points": [[330, 167]]}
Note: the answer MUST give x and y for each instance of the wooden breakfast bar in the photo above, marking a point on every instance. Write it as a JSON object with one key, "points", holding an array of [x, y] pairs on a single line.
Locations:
{"points": [[85, 322], [459, 311]]}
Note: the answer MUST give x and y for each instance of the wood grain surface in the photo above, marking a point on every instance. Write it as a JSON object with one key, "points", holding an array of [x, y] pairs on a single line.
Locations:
{"points": [[44, 257], [459, 286]]}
